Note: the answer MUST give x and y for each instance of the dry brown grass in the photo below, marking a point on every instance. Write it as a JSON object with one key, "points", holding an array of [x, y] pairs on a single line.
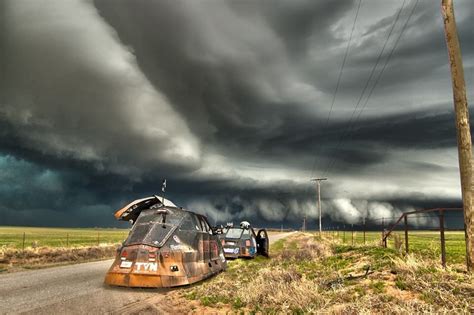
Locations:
{"points": [[270, 284], [309, 275], [304, 246], [12, 258], [282, 289], [435, 285]]}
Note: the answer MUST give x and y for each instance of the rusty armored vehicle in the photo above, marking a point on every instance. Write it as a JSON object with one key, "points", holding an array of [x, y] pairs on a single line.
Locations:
{"points": [[167, 246], [242, 241]]}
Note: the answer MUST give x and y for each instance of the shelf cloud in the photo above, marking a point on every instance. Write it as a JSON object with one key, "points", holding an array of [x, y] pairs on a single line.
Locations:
{"points": [[233, 102]]}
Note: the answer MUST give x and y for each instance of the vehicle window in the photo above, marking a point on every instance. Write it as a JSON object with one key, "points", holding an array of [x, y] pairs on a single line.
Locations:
{"points": [[152, 216], [197, 224], [153, 228], [204, 225], [234, 233], [188, 223], [246, 232]]}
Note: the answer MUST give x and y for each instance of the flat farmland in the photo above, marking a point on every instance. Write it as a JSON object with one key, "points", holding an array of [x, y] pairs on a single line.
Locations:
{"points": [[424, 243], [12, 236]]}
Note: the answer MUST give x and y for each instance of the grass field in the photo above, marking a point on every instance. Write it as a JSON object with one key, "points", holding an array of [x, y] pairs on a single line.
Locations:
{"points": [[307, 274], [425, 243], [12, 236], [304, 274]]}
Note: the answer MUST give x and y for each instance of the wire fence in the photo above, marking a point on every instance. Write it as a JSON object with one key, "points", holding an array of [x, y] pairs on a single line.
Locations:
{"points": [[437, 233], [432, 232]]}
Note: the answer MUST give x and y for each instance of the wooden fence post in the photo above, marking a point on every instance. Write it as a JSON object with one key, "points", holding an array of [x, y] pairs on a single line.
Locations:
{"points": [[352, 235], [384, 241], [406, 233], [441, 234], [23, 244]]}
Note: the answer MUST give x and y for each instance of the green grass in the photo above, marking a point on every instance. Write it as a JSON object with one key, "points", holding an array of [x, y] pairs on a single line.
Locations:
{"points": [[399, 283], [278, 245], [378, 286], [425, 243], [12, 236], [305, 273]]}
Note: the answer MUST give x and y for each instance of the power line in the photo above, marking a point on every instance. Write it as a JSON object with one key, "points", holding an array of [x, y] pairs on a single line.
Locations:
{"points": [[387, 60], [379, 57], [346, 53], [339, 77], [343, 63]]}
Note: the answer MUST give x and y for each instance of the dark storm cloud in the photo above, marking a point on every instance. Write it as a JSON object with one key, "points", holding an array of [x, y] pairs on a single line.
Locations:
{"points": [[228, 100], [241, 121], [301, 23], [33, 195], [220, 70], [62, 92], [419, 44]]}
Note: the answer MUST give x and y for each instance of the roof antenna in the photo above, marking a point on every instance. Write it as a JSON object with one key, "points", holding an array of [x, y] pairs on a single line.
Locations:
{"points": [[163, 188]]}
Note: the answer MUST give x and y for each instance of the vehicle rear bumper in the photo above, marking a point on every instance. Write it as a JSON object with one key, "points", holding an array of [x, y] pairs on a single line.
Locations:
{"points": [[231, 256], [144, 280], [240, 254]]}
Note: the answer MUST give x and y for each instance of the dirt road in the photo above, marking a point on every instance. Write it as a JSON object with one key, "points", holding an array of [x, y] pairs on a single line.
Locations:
{"points": [[73, 289]]}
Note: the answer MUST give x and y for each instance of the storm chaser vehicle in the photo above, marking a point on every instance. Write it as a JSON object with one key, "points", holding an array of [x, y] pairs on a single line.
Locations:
{"points": [[167, 246], [243, 242]]}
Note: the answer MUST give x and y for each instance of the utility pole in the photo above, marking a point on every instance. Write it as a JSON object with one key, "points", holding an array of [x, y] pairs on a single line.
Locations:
{"points": [[462, 126], [318, 181]]}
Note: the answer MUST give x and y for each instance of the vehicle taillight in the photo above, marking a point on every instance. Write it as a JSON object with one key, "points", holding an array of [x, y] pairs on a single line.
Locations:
{"points": [[124, 255], [247, 243], [151, 256]]}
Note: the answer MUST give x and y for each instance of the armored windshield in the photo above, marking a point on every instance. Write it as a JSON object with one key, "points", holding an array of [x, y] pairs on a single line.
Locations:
{"points": [[234, 233], [154, 226]]}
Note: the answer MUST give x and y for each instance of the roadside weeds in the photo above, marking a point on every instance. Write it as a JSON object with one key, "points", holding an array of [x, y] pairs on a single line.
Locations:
{"points": [[306, 274], [12, 259]]}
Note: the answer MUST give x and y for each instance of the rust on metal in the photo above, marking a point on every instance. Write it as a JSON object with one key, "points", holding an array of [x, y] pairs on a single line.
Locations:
{"points": [[242, 241], [167, 246], [441, 228]]}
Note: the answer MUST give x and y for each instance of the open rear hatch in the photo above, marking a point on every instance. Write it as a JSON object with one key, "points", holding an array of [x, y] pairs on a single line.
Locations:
{"points": [[133, 209]]}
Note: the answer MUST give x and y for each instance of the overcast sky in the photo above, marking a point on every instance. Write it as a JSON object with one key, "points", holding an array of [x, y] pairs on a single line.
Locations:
{"points": [[237, 103]]}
